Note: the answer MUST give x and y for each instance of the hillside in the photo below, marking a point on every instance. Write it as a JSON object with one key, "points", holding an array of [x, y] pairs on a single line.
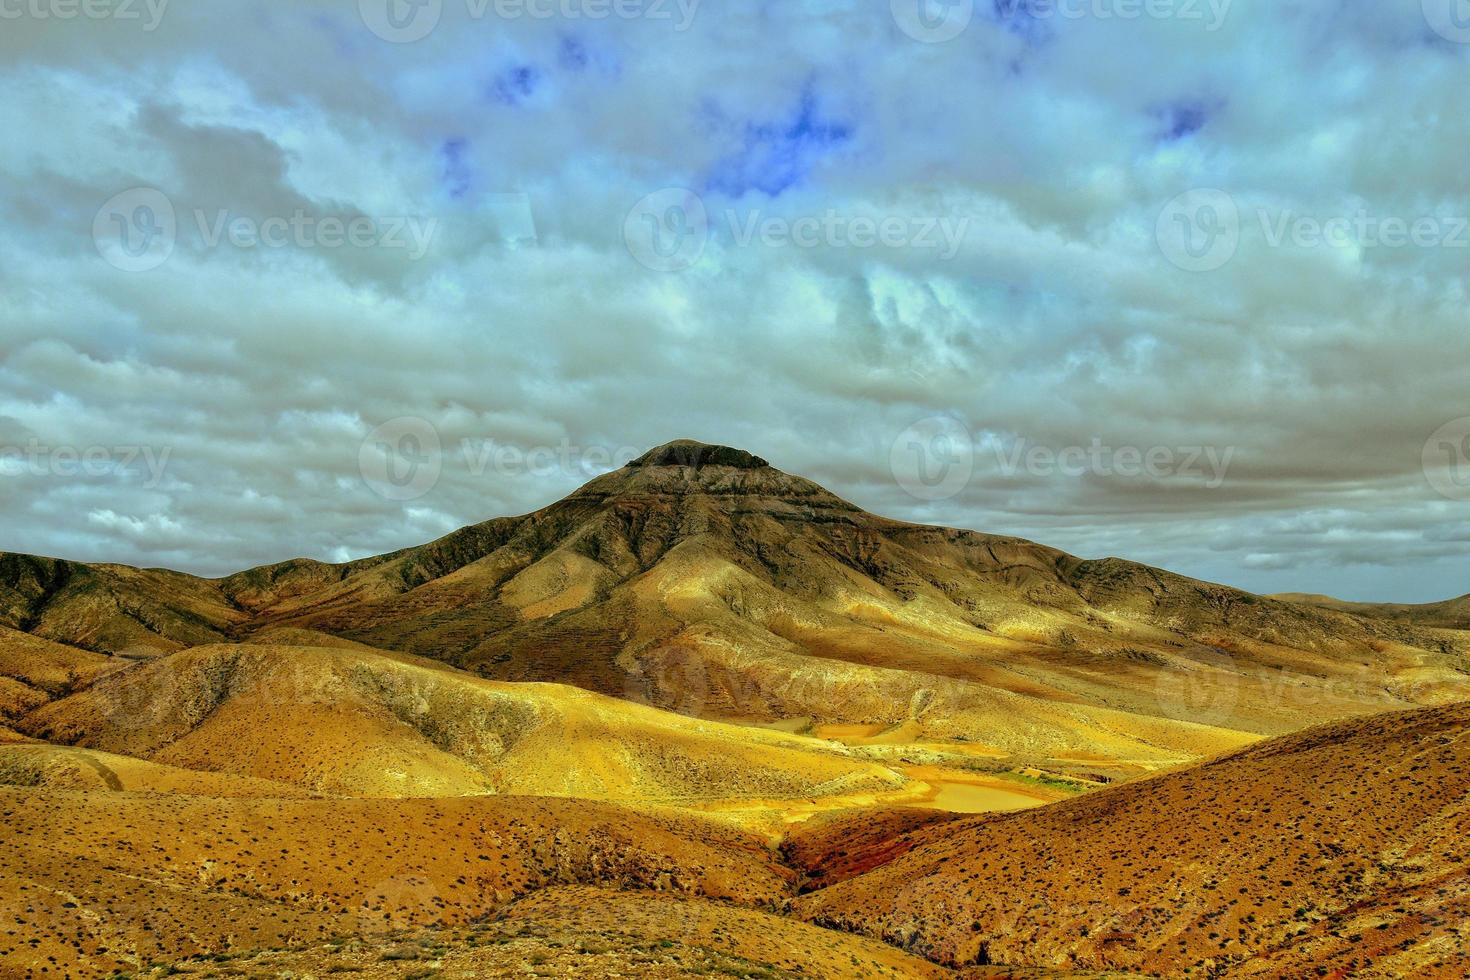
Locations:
{"points": [[35, 671], [93, 882], [702, 580], [1450, 614], [351, 721], [580, 931], [1339, 851]]}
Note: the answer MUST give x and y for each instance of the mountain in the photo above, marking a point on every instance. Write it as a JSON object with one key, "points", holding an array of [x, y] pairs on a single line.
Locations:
{"points": [[702, 580], [703, 717], [1450, 614], [1340, 851]]}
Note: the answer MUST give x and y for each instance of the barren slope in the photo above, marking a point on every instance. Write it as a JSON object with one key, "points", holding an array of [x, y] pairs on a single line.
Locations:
{"points": [[595, 932], [95, 881], [1450, 614], [1342, 850], [34, 671], [360, 722], [38, 765], [112, 608]]}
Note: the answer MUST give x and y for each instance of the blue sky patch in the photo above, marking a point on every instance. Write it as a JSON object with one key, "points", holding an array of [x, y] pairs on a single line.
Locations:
{"points": [[456, 174], [516, 84], [777, 154]]}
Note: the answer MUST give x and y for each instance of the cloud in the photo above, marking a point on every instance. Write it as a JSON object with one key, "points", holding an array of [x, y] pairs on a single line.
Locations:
{"points": [[517, 147]]}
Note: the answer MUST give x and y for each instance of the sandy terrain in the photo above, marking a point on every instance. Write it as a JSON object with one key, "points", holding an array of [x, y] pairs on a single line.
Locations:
{"points": [[1345, 846]]}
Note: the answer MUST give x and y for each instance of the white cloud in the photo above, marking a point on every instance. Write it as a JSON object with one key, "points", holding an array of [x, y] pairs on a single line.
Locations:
{"points": [[1058, 320]]}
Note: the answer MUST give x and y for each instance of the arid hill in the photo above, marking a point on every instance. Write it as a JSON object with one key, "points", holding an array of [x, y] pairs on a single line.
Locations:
{"points": [[579, 931], [1340, 851], [96, 881], [357, 722], [34, 671], [701, 580], [1450, 614]]}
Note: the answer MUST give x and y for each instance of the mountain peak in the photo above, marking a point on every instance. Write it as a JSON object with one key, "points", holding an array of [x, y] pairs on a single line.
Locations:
{"points": [[686, 469], [688, 452]]}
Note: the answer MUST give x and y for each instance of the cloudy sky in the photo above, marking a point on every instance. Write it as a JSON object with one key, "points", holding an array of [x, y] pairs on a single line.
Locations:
{"points": [[1178, 280]]}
